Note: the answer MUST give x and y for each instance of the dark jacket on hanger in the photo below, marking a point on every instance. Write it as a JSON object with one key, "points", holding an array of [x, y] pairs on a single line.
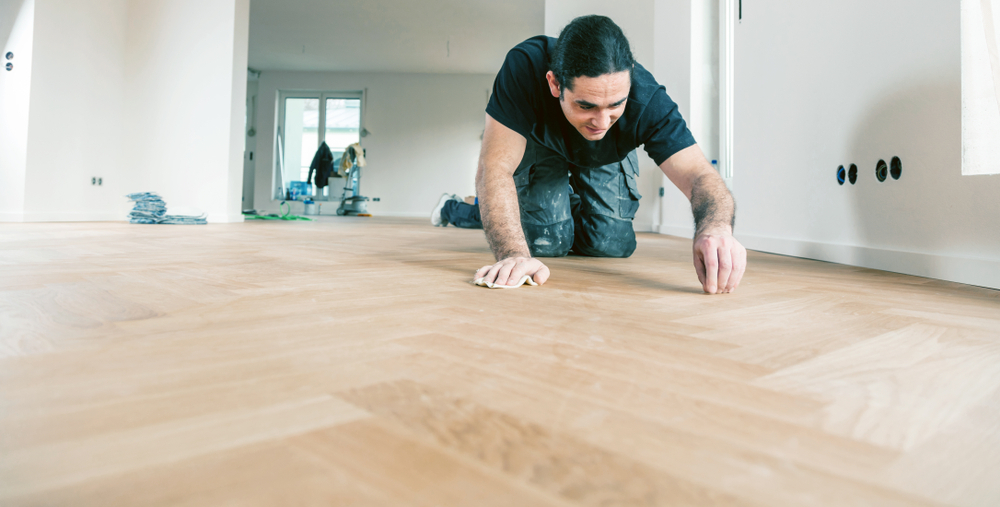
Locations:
{"points": [[322, 163]]}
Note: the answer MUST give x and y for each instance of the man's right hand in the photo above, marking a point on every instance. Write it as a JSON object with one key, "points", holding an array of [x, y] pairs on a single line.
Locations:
{"points": [[510, 270], [499, 158]]}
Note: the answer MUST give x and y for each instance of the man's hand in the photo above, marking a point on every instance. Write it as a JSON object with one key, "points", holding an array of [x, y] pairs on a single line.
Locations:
{"points": [[719, 260], [498, 160], [510, 270]]}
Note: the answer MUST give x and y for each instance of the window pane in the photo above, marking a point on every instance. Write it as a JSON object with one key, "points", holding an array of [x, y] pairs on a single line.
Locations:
{"points": [[343, 124], [301, 136]]}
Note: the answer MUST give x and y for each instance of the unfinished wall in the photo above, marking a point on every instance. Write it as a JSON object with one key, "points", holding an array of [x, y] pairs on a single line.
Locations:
{"points": [[17, 27], [809, 99], [424, 135]]}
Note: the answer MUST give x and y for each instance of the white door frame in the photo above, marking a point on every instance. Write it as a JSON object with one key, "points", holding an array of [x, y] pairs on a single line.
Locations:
{"points": [[729, 16], [278, 179]]}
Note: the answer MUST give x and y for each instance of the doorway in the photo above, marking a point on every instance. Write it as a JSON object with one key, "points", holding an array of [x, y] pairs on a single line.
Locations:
{"points": [[308, 119]]}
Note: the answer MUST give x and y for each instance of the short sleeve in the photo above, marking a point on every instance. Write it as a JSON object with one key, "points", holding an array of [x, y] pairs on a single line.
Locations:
{"points": [[662, 129], [514, 91]]}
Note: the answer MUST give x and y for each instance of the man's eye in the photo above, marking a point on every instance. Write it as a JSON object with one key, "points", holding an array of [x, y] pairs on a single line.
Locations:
{"points": [[586, 107]]}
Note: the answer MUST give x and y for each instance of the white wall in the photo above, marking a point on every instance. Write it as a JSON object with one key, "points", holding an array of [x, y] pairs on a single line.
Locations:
{"points": [[186, 87], [237, 110], [635, 19], [75, 129], [632, 16], [403, 36], [809, 98], [17, 27], [145, 94], [674, 60], [424, 140]]}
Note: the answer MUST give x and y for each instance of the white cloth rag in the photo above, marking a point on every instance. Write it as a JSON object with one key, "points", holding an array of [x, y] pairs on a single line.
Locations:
{"points": [[525, 280]]}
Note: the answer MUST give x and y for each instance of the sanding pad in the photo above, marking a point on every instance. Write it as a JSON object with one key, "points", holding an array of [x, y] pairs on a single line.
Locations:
{"points": [[525, 280]]}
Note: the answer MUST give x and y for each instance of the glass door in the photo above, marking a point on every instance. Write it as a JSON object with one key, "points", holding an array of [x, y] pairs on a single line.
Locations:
{"points": [[301, 136], [343, 124], [308, 119]]}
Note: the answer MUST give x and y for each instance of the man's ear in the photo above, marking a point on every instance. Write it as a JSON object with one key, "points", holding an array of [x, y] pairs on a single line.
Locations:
{"points": [[553, 84]]}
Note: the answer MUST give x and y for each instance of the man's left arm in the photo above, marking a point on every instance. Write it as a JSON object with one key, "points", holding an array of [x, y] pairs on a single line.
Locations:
{"points": [[719, 259]]}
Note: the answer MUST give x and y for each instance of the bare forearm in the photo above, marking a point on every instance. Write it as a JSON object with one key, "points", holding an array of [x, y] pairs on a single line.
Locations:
{"points": [[719, 260], [712, 204], [501, 214]]}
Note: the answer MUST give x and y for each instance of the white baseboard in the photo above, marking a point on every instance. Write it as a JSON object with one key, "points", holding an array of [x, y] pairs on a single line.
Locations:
{"points": [[967, 270], [329, 208], [404, 214], [971, 271], [676, 230], [75, 217], [223, 218], [644, 225], [98, 217]]}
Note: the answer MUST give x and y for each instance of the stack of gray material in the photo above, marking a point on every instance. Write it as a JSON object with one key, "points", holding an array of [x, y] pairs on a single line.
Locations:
{"points": [[150, 208]]}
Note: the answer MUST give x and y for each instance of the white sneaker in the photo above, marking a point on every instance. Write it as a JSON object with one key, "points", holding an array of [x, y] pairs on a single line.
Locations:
{"points": [[436, 220]]}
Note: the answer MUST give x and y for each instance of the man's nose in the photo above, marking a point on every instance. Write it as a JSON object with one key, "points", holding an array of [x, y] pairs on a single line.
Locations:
{"points": [[603, 121]]}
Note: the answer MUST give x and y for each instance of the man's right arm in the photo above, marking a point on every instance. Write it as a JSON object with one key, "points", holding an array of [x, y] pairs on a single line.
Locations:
{"points": [[500, 155]]}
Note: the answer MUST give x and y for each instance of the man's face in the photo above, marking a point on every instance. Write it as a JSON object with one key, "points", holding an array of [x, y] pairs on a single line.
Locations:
{"points": [[595, 103]]}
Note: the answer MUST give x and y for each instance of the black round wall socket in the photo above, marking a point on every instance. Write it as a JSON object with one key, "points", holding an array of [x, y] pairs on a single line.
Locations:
{"points": [[852, 174], [10, 55], [841, 175], [881, 170], [895, 168], [10, 66]]}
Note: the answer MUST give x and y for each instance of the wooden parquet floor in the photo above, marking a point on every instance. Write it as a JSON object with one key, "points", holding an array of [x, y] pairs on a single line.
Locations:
{"points": [[350, 362]]}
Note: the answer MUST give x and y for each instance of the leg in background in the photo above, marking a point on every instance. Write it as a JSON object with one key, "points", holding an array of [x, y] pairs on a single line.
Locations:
{"points": [[462, 215]]}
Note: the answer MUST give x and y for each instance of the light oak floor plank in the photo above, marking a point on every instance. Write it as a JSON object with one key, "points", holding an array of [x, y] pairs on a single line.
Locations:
{"points": [[350, 361]]}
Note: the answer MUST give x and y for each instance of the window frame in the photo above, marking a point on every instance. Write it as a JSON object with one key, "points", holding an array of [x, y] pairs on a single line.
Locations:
{"points": [[280, 183]]}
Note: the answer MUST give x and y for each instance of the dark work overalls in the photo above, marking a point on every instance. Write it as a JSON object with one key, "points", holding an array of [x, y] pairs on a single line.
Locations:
{"points": [[586, 210]]}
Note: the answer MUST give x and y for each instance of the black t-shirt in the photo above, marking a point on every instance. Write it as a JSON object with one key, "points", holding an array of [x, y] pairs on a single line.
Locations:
{"points": [[522, 102]]}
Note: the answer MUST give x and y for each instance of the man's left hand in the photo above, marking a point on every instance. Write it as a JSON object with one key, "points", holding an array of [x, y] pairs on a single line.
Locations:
{"points": [[720, 261]]}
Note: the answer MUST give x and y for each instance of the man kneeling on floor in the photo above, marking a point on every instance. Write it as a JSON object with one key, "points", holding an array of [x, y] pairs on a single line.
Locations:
{"points": [[557, 170]]}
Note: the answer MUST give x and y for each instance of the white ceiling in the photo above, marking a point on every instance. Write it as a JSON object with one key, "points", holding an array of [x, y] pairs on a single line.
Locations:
{"points": [[440, 36]]}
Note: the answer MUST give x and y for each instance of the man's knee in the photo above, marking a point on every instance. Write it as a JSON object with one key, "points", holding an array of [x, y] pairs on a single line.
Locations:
{"points": [[554, 240], [602, 236]]}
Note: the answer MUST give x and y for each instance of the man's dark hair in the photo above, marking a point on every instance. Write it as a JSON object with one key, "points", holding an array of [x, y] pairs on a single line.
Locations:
{"points": [[589, 46]]}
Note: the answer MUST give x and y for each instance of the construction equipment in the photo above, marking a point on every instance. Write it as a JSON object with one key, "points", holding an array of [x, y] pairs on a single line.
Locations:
{"points": [[353, 203]]}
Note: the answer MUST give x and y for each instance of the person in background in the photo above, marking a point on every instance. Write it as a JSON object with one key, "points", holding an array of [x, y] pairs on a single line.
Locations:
{"points": [[452, 209]]}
